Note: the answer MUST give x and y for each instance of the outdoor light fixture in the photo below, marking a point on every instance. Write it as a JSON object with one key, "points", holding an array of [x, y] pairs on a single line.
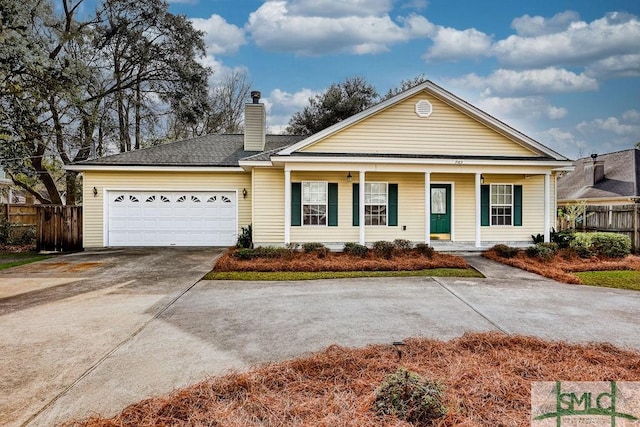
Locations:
{"points": [[95, 192], [481, 179], [349, 177], [244, 193]]}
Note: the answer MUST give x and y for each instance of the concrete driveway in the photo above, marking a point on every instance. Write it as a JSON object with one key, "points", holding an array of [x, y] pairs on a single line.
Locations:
{"points": [[61, 318], [99, 350]]}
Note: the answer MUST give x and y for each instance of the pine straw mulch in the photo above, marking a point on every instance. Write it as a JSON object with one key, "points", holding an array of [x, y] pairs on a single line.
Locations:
{"points": [[564, 263], [339, 261], [487, 379], [17, 248]]}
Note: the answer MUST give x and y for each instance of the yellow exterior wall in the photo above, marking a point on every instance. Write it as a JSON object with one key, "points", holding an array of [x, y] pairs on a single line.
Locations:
{"points": [[268, 213], [93, 207], [532, 208], [399, 130]]}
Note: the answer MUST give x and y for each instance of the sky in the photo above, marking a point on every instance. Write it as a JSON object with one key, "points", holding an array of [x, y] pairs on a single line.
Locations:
{"points": [[564, 72]]}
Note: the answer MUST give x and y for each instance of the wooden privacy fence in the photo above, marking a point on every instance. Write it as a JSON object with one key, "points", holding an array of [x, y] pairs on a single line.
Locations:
{"points": [[622, 219], [59, 228], [20, 214]]}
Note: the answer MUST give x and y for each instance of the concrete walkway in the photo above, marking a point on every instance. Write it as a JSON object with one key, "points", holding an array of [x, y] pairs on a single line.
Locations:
{"points": [[216, 326]]}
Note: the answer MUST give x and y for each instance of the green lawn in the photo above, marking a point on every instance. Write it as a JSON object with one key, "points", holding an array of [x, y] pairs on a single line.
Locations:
{"points": [[622, 279], [14, 259], [294, 275]]}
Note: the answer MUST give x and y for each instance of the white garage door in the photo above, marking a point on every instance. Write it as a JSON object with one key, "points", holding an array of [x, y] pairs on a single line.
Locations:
{"points": [[177, 218]]}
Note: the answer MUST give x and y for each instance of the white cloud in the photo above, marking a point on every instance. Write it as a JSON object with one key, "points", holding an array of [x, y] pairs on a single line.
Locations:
{"points": [[616, 66], [565, 142], [274, 26], [220, 37], [537, 25], [612, 133], [450, 44], [521, 108], [281, 105], [580, 44], [610, 125], [527, 82], [332, 8]]}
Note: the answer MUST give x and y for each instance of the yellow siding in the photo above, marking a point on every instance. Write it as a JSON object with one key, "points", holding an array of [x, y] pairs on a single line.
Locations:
{"points": [[399, 130], [254, 127], [93, 207], [268, 215], [532, 209]]}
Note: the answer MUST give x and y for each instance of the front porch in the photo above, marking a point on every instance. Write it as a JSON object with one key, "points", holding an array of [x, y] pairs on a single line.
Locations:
{"points": [[451, 208]]}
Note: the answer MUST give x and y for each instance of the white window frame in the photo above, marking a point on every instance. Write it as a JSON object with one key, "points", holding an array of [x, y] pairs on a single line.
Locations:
{"points": [[500, 205], [386, 205], [326, 204]]}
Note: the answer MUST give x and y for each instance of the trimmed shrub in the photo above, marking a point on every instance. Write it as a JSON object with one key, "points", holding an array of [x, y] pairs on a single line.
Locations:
{"points": [[505, 251], [245, 239], [312, 246], [581, 243], [425, 250], [355, 249], [562, 238], [403, 244], [409, 397], [383, 249], [261, 252], [543, 251], [610, 245]]}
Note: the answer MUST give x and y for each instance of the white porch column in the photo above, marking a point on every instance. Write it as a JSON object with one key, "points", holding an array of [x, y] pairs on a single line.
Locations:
{"points": [[361, 207], [478, 210], [287, 207], [547, 207], [427, 208]]}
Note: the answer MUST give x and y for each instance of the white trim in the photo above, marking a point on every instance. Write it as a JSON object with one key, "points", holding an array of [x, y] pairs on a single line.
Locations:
{"points": [[287, 207], [427, 207], [420, 161], [547, 208], [361, 182], [386, 224], [125, 168], [444, 96], [326, 205], [513, 208], [478, 186]]}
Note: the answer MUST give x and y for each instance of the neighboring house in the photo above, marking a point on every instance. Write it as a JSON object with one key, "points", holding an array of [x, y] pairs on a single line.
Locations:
{"points": [[5, 187], [420, 166], [606, 179]]}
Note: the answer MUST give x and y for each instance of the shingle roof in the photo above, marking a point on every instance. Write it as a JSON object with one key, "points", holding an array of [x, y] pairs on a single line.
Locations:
{"points": [[621, 177], [208, 150]]}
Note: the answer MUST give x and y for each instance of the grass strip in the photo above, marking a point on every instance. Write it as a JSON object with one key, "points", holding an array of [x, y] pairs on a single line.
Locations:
{"points": [[314, 275], [11, 260], [621, 279]]}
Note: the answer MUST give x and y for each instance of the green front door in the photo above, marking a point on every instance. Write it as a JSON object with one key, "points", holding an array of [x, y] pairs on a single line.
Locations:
{"points": [[440, 208]]}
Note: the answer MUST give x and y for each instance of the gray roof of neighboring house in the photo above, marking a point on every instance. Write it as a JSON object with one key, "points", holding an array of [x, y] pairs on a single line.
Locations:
{"points": [[621, 177], [209, 150]]}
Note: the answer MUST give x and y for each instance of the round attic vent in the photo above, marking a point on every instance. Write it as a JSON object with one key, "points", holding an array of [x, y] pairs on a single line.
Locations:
{"points": [[423, 108]]}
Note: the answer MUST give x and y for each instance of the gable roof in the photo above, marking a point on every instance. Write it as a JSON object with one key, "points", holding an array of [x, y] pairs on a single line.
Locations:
{"points": [[621, 177], [221, 150], [444, 96]]}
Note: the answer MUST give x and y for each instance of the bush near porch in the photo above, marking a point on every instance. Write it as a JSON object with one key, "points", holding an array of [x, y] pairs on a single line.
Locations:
{"points": [[572, 256], [384, 256]]}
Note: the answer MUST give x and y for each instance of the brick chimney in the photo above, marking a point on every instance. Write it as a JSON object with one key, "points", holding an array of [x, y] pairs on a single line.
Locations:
{"points": [[594, 171], [255, 124]]}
